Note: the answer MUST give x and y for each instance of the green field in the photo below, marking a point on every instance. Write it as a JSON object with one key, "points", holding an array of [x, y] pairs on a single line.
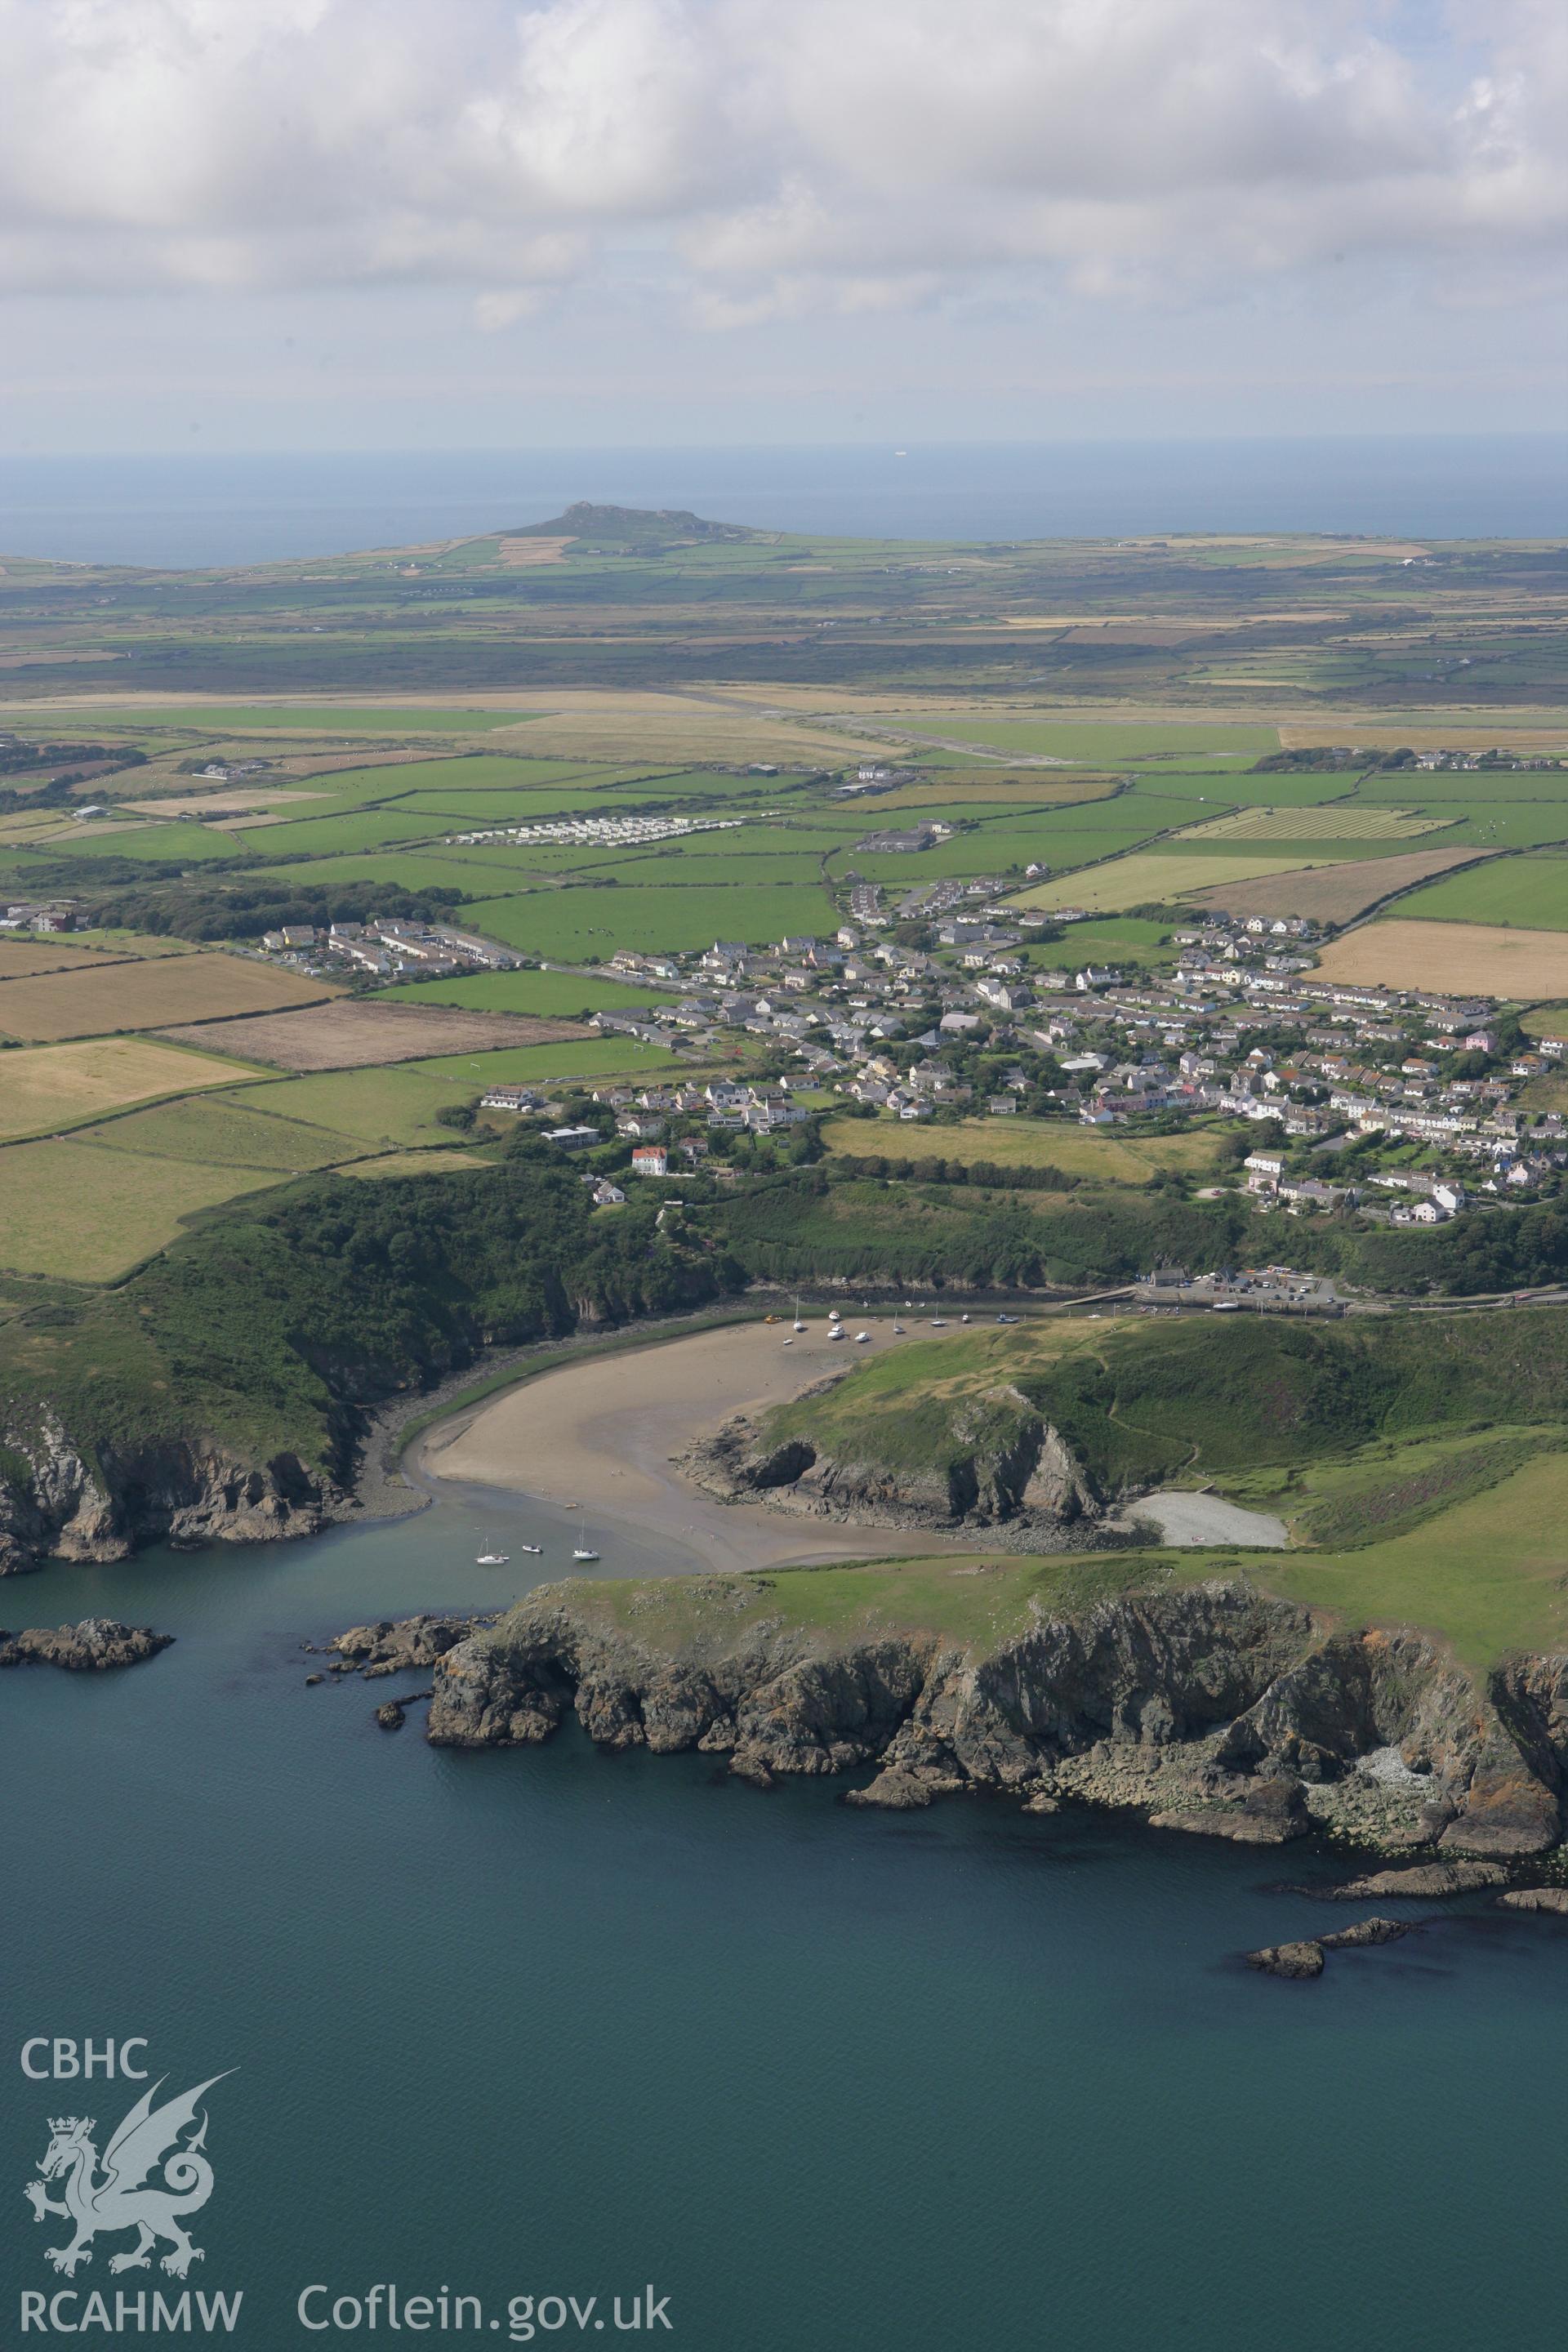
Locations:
{"points": [[340, 836], [1531, 893], [550, 994], [1108, 938], [584, 924], [182, 841], [1485, 1574]]}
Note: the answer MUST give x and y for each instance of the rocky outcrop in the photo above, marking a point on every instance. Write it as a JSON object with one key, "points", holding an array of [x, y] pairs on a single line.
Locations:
{"points": [[391, 1644], [56, 1504], [1210, 1709], [1423, 1882], [1302, 1960], [90, 1647], [1537, 1898], [1306, 1957], [1002, 1466], [1270, 1812]]}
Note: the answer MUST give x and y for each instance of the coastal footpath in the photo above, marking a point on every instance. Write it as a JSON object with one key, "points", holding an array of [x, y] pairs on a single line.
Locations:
{"points": [[1207, 1707]]}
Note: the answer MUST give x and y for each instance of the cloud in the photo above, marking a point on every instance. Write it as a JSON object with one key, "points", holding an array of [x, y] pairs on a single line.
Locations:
{"points": [[772, 158]]}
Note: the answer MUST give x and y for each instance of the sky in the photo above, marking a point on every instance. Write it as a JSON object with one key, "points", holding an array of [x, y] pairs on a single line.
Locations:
{"points": [[301, 224]]}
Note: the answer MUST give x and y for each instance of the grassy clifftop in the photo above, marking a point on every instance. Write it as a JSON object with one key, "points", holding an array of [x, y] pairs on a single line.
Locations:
{"points": [[1252, 1403]]}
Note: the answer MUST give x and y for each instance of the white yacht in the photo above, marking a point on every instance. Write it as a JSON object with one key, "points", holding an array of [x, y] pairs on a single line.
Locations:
{"points": [[582, 1552]]}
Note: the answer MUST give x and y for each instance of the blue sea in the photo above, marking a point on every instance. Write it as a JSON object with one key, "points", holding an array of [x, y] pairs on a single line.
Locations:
{"points": [[210, 509], [553, 2024]]}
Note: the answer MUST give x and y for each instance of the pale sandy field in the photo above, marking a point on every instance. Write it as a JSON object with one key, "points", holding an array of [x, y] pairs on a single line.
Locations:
{"points": [[1482, 957], [600, 1433]]}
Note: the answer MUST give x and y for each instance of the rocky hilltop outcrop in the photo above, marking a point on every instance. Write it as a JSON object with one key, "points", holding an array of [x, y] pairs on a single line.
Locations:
{"points": [[1003, 1463], [54, 1503], [1208, 1708], [90, 1647]]}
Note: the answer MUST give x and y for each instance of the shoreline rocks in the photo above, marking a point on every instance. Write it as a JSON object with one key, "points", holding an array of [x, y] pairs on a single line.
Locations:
{"points": [[390, 1644]]}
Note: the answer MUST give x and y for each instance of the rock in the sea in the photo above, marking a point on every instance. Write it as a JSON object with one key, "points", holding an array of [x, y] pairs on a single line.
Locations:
{"points": [[1366, 1931], [1305, 1958], [1537, 1898], [390, 1716], [1300, 1959], [97, 1644], [1422, 1881]]}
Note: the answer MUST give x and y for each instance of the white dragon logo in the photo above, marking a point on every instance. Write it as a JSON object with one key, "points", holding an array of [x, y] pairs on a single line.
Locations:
{"points": [[121, 2198]]}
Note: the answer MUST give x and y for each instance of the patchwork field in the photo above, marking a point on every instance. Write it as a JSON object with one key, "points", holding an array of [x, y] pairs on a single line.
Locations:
{"points": [[1150, 878], [227, 1133], [350, 1033], [50, 1086], [149, 995], [544, 1066], [1492, 961], [1064, 740], [1020, 1142], [375, 1109], [421, 1164], [1333, 894], [23, 956], [389, 718], [76, 1211], [1336, 822]]}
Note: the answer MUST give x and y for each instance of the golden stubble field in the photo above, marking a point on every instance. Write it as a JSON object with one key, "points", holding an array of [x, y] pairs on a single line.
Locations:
{"points": [[1336, 894], [148, 995], [43, 1087], [1481, 959]]}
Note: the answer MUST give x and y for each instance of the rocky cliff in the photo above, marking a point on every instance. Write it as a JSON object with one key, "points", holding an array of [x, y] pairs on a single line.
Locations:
{"points": [[1209, 1707], [54, 1503]]}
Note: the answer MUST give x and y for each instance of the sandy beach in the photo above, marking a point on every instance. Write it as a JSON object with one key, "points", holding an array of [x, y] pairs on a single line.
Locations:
{"points": [[600, 1433]]}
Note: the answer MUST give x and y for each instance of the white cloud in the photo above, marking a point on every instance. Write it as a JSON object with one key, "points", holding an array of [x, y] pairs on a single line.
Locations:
{"points": [[775, 157]]}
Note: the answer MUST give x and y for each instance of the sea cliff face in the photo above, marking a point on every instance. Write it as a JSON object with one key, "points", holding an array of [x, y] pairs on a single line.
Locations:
{"points": [[1210, 1708], [56, 1504]]}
